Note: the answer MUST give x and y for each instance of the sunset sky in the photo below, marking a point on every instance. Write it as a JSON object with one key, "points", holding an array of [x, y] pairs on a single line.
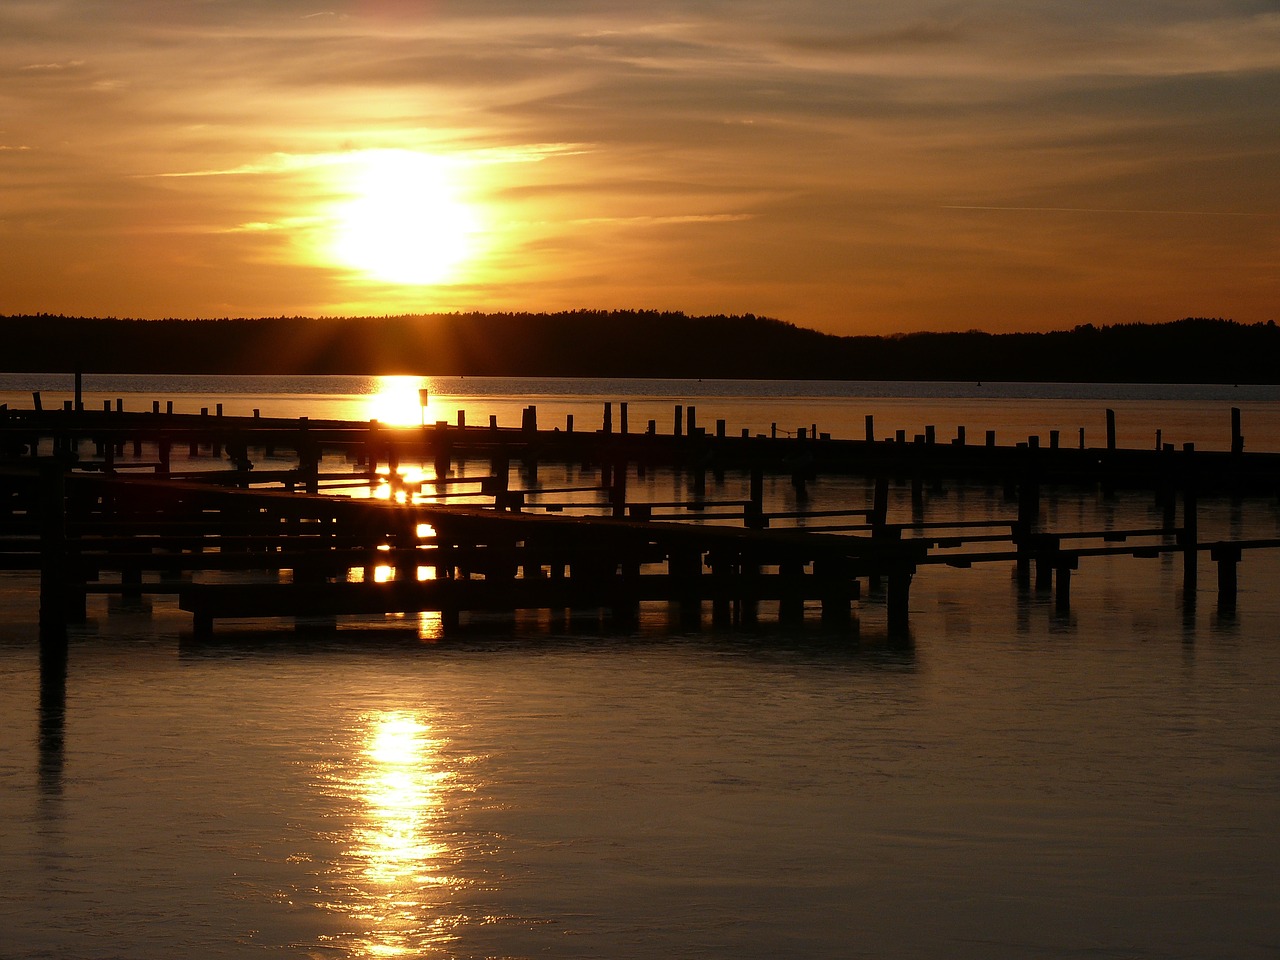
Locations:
{"points": [[851, 166]]}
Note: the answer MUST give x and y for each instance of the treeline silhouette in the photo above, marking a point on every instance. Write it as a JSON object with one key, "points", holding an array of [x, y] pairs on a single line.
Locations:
{"points": [[637, 343]]}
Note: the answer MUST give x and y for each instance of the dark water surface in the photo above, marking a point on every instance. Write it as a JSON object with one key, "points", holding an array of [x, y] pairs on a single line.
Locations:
{"points": [[1013, 783]]}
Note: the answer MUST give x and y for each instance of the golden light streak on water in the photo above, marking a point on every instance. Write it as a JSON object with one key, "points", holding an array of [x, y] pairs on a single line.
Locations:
{"points": [[430, 626], [394, 868]]}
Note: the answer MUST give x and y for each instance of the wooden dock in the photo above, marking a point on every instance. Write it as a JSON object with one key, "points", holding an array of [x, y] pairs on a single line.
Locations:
{"points": [[97, 501]]}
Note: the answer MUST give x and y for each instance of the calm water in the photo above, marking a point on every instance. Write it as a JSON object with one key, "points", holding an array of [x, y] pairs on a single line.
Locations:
{"points": [[1014, 784]]}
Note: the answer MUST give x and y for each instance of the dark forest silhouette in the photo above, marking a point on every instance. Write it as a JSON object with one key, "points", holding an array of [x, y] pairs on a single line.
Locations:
{"points": [[637, 343]]}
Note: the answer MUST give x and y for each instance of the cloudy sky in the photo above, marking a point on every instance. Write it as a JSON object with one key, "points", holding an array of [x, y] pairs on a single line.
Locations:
{"points": [[839, 164]]}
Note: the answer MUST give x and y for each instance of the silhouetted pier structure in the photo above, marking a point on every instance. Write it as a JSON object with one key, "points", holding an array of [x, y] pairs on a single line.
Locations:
{"points": [[98, 502]]}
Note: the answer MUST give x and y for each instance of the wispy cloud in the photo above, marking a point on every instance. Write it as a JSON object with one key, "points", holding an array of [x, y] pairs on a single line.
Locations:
{"points": [[841, 140]]}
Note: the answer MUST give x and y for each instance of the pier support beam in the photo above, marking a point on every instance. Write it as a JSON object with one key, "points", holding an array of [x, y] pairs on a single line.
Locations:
{"points": [[898, 602], [1064, 565], [1227, 556], [54, 592]]}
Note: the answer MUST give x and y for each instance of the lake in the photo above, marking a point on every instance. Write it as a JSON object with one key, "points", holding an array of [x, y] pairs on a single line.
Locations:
{"points": [[1011, 783]]}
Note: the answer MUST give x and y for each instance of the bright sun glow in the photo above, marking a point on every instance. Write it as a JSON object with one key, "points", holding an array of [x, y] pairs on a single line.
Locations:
{"points": [[398, 401], [406, 221]]}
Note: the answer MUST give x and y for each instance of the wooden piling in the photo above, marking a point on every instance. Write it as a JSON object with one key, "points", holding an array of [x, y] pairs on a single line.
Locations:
{"points": [[1111, 429], [618, 489], [791, 592], [897, 604], [1227, 556], [53, 561], [1062, 597], [753, 514], [1190, 534]]}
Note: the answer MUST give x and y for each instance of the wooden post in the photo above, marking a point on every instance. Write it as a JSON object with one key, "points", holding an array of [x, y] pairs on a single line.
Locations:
{"points": [[442, 450], [837, 590], [959, 440], [930, 435], [1062, 599], [898, 602], [1227, 556], [35, 400], [722, 577], [1111, 429], [371, 449], [1047, 560], [618, 489], [879, 505], [568, 423], [622, 417], [753, 515], [791, 592], [608, 417], [1237, 438], [991, 438], [1190, 534], [679, 420], [684, 566], [1053, 439], [691, 414], [720, 429], [79, 390], [871, 429], [53, 560]]}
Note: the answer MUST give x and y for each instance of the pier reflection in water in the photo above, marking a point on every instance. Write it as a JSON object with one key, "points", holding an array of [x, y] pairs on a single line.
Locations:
{"points": [[393, 878]]}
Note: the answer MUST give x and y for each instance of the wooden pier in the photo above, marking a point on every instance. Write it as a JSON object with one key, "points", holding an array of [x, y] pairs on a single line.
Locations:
{"points": [[98, 502]]}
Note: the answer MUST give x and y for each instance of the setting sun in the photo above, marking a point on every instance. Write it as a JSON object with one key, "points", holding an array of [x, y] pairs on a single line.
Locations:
{"points": [[405, 221], [396, 401]]}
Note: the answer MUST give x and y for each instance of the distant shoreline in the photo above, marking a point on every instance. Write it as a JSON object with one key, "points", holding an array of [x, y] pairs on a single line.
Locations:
{"points": [[638, 344]]}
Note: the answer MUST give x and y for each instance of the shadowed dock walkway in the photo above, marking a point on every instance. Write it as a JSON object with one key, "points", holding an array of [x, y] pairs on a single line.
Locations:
{"points": [[98, 502]]}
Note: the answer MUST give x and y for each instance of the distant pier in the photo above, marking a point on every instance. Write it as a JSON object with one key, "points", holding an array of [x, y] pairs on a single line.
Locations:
{"points": [[134, 502]]}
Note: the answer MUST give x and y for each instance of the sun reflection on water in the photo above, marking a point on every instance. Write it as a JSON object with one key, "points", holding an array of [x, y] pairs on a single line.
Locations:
{"points": [[395, 873]]}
